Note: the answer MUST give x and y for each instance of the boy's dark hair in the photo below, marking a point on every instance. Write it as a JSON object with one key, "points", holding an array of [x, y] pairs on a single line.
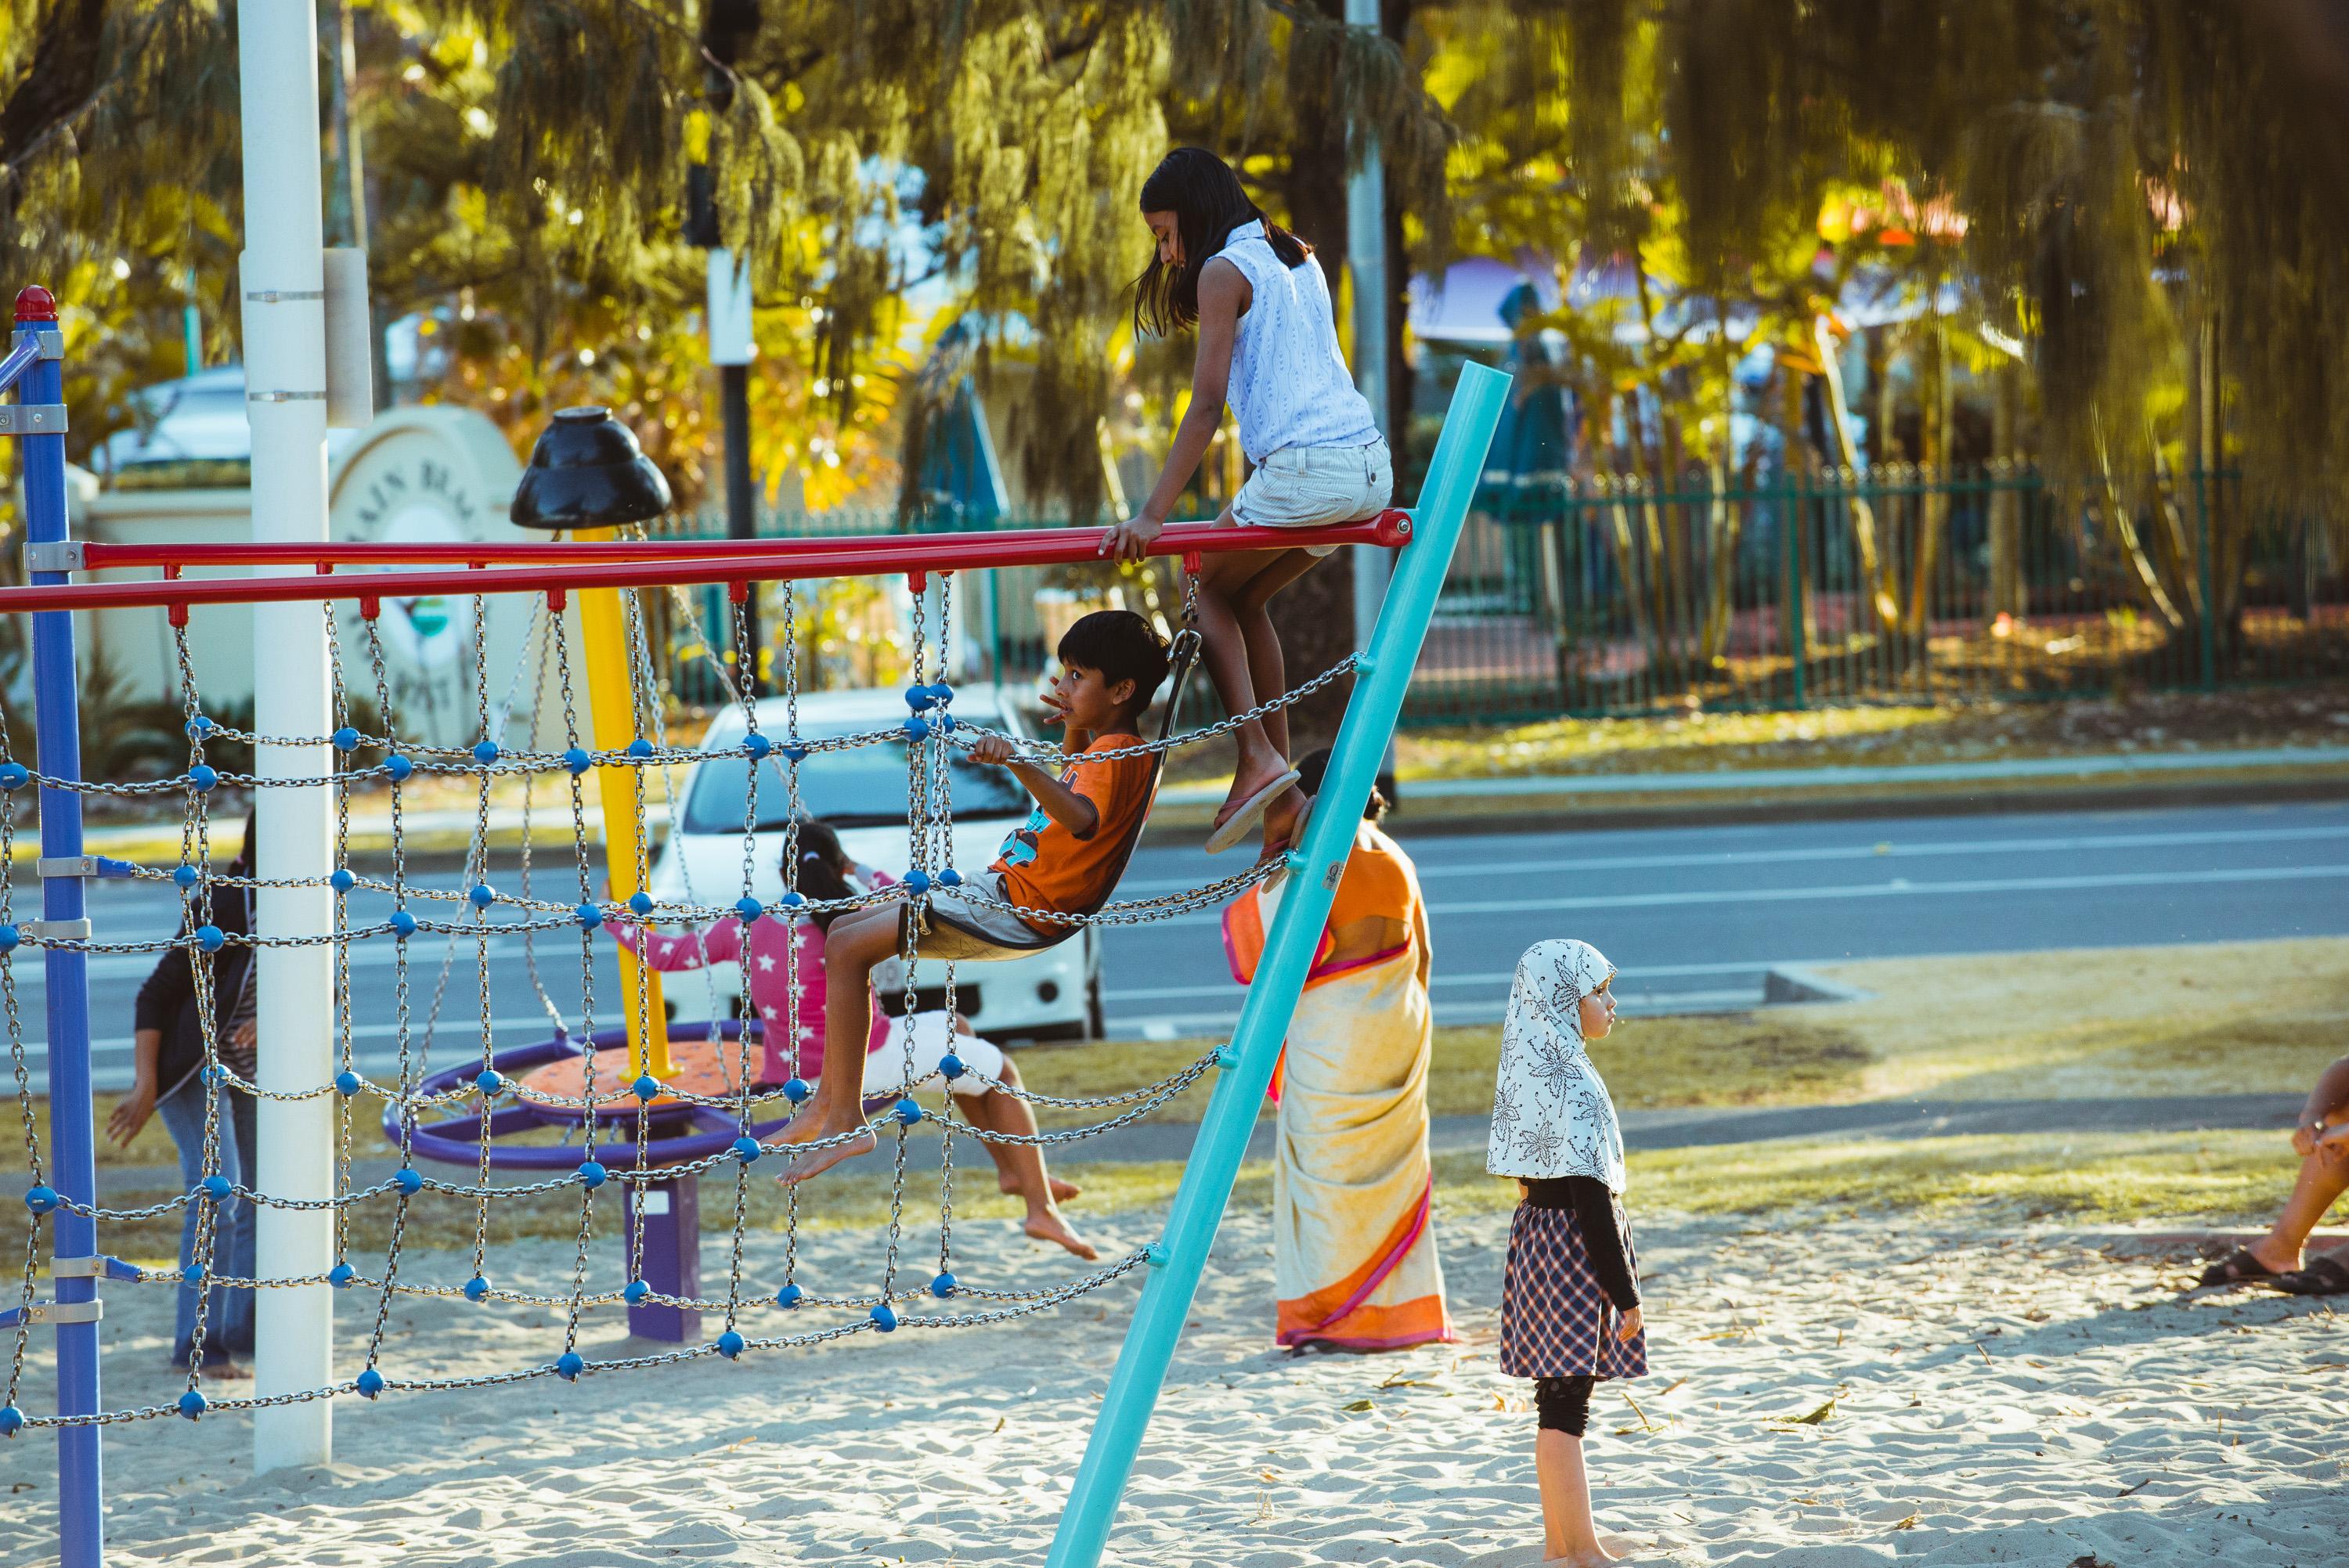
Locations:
{"points": [[1121, 645], [1310, 773], [1208, 202]]}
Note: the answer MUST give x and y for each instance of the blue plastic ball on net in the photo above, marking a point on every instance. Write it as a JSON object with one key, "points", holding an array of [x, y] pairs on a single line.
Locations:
{"points": [[217, 1187], [199, 727], [916, 881], [12, 1421], [490, 1081], [640, 748], [186, 876], [577, 760], [908, 1111], [592, 1173], [341, 1275], [749, 909], [950, 878], [647, 1087], [917, 697], [348, 1082], [483, 895], [477, 1288], [14, 776], [747, 1148], [370, 1383], [917, 728], [485, 752], [568, 1366], [41, 1199], [642, 902], [346, 739], [636, 1292], [944, 1286], [730, 1345], [402, 924], [210, 938], [757, 745], [9, 937], [588, 916], [409, 1180], [885, 1318], [789, 1296], [397, 766], [191, 1404], [796, 1090], [342, 881], [950, 1066], [202, 777]]}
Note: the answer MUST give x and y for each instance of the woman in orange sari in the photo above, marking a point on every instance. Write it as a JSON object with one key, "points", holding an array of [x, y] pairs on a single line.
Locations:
{"points": [[1354, 1262]]}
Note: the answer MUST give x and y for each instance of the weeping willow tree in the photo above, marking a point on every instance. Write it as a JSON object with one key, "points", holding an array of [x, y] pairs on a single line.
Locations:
{"points": [[2155, 195]]}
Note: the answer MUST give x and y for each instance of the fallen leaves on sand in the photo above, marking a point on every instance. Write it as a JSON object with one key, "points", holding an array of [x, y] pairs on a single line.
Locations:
{"points": [[1815, 1417]]}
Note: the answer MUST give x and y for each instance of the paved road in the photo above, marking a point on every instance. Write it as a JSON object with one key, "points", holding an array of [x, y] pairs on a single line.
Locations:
{"points": [[1695, 916]]}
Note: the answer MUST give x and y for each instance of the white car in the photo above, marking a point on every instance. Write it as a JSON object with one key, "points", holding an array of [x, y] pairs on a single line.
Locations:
{"points": [[1055, 993]]}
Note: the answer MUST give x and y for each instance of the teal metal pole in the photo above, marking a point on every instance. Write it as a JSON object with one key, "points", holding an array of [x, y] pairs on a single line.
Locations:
{"points": [[1179, 1257]]}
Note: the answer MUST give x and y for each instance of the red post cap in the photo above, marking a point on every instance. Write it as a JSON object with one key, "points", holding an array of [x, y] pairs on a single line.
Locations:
{"points": [[35, 302]]}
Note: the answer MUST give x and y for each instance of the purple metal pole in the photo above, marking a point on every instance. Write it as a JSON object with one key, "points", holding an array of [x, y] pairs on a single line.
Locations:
{"points": [[58, 727], [672, 1260]]}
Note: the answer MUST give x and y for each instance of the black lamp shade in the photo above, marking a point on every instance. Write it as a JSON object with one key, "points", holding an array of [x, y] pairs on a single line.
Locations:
{"points": [[587, 471]]}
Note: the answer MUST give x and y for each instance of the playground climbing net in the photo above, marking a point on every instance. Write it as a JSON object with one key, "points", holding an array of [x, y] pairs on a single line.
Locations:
{"points": [[633, 1129]]}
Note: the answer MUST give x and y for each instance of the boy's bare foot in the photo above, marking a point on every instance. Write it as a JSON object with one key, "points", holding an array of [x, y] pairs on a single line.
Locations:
{"points": [[1045, 1224], [1061, 1191], [816, 1161], [1590, 1557]]}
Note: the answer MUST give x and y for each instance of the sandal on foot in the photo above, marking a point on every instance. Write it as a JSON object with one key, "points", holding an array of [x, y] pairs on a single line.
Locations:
{"points": [[1236, 826], [2324, 1276], [2238, 1268]]}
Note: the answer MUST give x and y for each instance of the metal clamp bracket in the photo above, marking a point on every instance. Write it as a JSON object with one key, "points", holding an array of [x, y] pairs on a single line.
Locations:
{"points": [[58, 1312], [55, 929], [99, 1266], [283, 296], [69, 866], [54, 555], [32, 419], [286, 397], [52, 341]]}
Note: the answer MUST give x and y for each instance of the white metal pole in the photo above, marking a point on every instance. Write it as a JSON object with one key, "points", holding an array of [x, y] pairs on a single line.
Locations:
{"points": [[283, 279], [1366, 252]]}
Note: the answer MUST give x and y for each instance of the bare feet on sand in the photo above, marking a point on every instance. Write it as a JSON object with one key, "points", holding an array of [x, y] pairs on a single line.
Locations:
{"points": [[1590, 1558], [1061, 1191], [1046, 1224]]}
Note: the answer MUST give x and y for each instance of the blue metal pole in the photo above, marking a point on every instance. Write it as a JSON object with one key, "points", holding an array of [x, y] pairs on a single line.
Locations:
{"points": [[1223, 1140], [57, 729]]}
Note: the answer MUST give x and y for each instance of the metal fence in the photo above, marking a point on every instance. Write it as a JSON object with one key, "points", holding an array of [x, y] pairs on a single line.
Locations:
{"points": [[1893, 585]]}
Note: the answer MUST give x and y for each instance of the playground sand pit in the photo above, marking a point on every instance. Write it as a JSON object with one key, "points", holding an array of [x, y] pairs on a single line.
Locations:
{"points": [[1846, 1394]]}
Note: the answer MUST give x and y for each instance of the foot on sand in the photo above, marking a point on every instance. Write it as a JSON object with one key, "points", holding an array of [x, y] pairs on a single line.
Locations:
{"points": [[1061, 1191], [816, 1161], [1045, 1224]]}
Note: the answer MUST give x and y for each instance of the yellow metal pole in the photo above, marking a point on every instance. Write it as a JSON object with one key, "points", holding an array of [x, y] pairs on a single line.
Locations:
{"points": [[620, 793]]}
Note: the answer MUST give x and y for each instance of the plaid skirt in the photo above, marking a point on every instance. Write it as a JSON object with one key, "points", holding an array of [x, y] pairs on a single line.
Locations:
{"points": [[1556, 1319]]}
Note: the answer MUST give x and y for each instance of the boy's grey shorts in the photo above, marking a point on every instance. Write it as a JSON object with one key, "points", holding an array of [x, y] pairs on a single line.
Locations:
{"points": [[958, 929]]}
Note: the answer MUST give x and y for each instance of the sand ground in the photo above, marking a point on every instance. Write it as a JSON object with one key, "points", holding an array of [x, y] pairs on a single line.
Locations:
{"points": [[1977, 1396]]}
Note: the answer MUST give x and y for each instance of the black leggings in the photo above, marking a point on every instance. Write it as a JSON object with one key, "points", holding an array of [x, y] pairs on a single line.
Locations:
{"points": [[1563, 1404]]}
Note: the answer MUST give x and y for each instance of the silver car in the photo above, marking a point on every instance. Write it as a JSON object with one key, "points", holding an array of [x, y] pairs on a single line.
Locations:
{"points": [[1052, 994]]}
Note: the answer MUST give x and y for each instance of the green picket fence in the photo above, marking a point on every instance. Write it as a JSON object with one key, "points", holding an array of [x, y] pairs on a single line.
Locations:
{"points": [[1889, 585], [1893, 585]]}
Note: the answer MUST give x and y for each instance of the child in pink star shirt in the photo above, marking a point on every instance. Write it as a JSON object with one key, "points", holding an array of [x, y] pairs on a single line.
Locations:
{"points": [[763, 948]]}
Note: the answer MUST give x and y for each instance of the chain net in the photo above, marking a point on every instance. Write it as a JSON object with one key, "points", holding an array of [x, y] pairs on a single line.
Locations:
{"points": [[528, 770]]}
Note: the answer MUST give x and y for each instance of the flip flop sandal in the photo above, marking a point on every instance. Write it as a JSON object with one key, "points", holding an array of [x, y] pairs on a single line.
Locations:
{"points": [[1239, 825], [2325, 1276], [2238, 1268]]}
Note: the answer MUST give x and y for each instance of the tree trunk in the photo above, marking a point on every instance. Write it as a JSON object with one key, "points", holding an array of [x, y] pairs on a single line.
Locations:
{"points": [[2007, 589], [1315, 615]]}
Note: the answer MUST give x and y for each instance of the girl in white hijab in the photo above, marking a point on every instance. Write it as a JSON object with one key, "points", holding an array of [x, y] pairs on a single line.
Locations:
{"points": [[1570, 1294]]}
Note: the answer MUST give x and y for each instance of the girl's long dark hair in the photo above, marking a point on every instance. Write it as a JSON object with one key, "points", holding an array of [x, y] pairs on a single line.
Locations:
{"points": [[1208, 202], [824, 869]]}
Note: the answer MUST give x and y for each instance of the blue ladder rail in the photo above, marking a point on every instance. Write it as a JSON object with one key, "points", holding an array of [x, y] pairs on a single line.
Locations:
{"points": [[1179, 1257]]}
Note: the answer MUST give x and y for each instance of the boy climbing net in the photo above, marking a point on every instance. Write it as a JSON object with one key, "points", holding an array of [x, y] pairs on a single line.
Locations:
{"points": [[1268, 345], [1062, 860]]}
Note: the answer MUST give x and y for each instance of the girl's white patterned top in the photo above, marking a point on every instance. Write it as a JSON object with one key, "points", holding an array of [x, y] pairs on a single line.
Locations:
{"points": [[1551, 1116], [1289, 386]]}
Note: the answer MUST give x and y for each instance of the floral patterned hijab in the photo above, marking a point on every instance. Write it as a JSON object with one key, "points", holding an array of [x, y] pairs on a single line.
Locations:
{"points": [[1551, 1116]]}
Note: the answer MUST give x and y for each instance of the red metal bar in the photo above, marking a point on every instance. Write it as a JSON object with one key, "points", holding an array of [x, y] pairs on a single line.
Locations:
{"points": [[760, 560], [99, 556]]}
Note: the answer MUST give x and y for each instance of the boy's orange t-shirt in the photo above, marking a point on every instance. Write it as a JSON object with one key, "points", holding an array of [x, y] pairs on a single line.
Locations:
{"points": [[1045, 866]]}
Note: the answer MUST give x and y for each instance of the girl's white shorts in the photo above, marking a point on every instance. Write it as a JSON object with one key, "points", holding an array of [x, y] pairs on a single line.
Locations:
{"points": [[933, 1036], [1313, 487]]}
